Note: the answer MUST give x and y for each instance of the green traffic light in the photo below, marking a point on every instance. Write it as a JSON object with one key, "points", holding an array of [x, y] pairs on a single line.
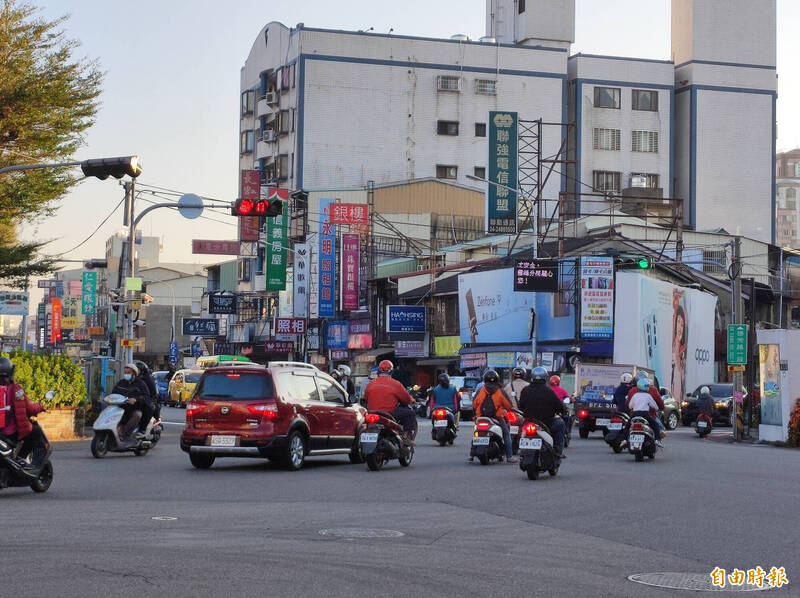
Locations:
{"points": [[644, 263]]}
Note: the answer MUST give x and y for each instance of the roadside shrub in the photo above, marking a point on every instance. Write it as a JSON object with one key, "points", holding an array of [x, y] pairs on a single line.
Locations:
{"points": [[794, 425], [39, 373]]}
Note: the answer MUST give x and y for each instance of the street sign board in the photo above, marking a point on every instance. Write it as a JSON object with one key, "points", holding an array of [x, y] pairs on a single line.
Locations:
{"points": [[501, 198], [737, 344], [215, 247], [200, 327], [173, 352], [406, 322], [536, 276], [219, 303], [290, 325]]}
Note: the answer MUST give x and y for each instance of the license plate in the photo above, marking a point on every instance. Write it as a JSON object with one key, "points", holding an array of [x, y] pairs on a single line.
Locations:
{"points": [[602, 422], [223, 441], [513, 429], [480, 440], [530, 443], [369, 437], [702, 424], [440, 423], [636, 440], [617, 426]]}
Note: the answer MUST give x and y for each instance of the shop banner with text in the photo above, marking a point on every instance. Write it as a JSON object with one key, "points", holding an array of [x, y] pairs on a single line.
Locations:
{"points": [[350, 266], [327, 261], [501, 198]]}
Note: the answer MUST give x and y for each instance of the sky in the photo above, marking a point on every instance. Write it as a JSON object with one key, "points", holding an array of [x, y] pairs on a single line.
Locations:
{"points": [[171, 92]]}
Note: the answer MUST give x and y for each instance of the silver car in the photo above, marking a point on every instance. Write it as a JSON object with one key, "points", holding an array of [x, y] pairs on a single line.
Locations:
{"points": [[465, 385]]}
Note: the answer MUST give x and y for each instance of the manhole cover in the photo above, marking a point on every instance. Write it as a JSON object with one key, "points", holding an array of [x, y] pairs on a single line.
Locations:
{"points": [[164, 518], [700, 582], [360, 532]]}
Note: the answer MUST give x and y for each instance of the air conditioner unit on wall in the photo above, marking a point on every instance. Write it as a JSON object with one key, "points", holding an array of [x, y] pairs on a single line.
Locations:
{"points": [[269, 136], [272, 98]]}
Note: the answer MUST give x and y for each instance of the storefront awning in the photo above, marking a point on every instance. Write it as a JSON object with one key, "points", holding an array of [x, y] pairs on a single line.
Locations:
{"points": [[438, 361], [361, 355], [520, 347]]}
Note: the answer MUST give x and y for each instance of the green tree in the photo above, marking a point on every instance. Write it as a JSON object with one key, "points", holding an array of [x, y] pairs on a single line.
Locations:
{"points": [[48, 98]]}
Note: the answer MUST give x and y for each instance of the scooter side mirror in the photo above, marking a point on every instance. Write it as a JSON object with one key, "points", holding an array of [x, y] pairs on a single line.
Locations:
{"points": [[50, 395]]}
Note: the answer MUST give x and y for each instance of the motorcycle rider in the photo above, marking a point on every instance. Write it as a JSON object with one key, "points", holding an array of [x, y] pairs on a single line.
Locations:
{"points": [[153, 405], [445, 395], [621, 392], [15, 411], [705, 402], [135, 390], [514, 388], [653, 390], [539, 402], [347, 382], [642, 404], [491, 401], [385, 393], [555, 386]]}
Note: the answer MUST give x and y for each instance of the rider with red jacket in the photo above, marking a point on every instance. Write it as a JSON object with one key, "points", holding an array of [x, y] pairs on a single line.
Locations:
{"points": [[15, 411], [385, 393]]}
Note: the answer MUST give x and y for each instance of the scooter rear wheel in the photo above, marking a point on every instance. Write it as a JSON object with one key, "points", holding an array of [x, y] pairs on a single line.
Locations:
{"points": [[405, 460], [45, 478], [639, 456], [99, 445], [374, 462], [532, 471], [442, 441], [484, 459], [617, 447]]}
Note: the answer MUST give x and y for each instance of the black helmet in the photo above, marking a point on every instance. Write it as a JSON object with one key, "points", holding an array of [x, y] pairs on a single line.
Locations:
{"points": [[336, 375], [539, 374], [519, 373], [6, 367], [491, 377], [142, 366], [444, 379]]}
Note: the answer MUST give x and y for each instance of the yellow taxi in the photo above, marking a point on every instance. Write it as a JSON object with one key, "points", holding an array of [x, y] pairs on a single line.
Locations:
{"points": [[182, 386]]}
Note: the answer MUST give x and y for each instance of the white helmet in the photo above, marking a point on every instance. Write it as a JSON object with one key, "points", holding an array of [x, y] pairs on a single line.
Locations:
{"points": [[705, 390], [344, 370], [626, 378]]}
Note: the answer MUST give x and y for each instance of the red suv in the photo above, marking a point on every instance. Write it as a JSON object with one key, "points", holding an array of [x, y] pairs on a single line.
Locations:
{"points": [[284, 412]]}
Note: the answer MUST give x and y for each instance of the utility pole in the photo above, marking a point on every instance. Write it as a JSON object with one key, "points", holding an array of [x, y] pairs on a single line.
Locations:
{"points": [[737, 308]]}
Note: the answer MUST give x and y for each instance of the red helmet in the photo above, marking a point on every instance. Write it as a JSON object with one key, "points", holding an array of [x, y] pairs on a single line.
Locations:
{"points": [[555, 380], [385, 366]]}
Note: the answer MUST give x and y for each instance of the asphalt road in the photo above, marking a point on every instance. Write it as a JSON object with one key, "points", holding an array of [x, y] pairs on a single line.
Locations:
{"points": [[247, 528]]}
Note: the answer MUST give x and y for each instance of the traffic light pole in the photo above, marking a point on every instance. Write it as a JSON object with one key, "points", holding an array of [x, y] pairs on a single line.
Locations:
{"points": [[737, 313]]}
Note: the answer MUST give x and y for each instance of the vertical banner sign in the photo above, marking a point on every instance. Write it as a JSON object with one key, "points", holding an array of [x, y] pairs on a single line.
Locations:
{"points": [[501, 210], [350, 250], [597, 297], [55, 327], [327, 260], [300, 286], [313, 282], [88, 292], [277, 231], [248, 225]]}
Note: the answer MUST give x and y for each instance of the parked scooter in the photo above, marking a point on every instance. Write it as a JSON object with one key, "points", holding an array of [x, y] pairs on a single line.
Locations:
{"points": [[703, 425], [617, 435], [108, 433], [536, 452], [16, 472], [487, 441], [641, 441], [382, 440], [444, 429]]}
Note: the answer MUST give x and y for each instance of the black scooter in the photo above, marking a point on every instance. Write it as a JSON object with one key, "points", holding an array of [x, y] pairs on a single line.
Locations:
{"points": [[617, 435], [17, 472], [641, 440], [382, 440], [536, 452], [444, 429]]}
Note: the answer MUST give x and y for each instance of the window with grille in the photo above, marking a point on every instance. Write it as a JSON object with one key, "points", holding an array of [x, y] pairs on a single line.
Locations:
{"points": [[446, 172], [248, 102], [283, 167], [642, 99], [448, 83], [447, 127], [644, 180], [606, 139], [480, 129], [486, 86], [605, 180], [480, 172], [717, 255], [606, 97], [284, 122], [644, 141]]}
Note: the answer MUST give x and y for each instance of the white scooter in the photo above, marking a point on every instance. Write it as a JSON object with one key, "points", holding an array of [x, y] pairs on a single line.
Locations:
{"points": [[107, 430]]}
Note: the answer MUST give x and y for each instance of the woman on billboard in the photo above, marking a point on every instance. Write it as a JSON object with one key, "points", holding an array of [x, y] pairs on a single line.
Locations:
{"points": [[680, 335]]}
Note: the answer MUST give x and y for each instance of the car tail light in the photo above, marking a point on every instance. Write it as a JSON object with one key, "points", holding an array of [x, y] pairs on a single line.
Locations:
{"points": [[637, 426], [372, 418], [530, 429], [512, 417], [583, 413], [439, 413], [193, 409], [483, 425], [268, 410], [616, 420], [233, 375]]}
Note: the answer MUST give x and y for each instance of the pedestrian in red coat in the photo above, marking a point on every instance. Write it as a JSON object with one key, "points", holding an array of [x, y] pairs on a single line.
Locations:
{"points": [[15, 413]]}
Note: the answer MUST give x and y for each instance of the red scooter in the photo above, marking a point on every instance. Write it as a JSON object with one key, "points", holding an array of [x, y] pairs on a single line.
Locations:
{"points": [[703, 425], [382, 440]]}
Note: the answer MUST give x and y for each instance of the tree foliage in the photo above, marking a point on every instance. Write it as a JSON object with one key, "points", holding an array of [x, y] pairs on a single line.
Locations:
{"points": [[39, 373], [48, 98]]}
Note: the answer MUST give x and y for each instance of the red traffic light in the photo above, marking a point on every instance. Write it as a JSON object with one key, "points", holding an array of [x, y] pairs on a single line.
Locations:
{"points": [[243, 207], [268, 208]]}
